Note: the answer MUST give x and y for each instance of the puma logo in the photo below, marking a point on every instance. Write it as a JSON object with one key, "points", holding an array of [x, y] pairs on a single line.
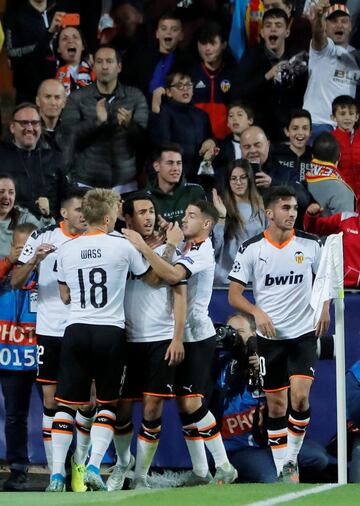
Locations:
{"points": [[189, 388]]}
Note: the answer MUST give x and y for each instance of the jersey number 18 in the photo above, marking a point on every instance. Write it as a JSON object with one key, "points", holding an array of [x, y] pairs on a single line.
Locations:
{"points": [[94, 285]]}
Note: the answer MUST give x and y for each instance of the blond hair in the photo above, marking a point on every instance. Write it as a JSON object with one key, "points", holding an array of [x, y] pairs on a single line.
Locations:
{"points": [[97, 203]]}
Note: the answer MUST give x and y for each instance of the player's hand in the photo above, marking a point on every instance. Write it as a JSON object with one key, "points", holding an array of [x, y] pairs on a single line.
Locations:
{"points": [[314, 209], [157, 239], [262, 180], [124, 116], [175, 353], [101, 111], [56, 23], [323, 324], [264, 323], [174, 234], [43, 251], [135, 238], [44, 205], [218, 203], [163, 224]]}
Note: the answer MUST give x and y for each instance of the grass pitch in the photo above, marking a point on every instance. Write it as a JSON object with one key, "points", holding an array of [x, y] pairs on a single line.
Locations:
{"points": [[212, 495]]}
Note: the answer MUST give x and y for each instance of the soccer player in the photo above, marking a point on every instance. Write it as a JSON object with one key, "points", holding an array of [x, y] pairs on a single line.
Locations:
{"points": [[155, 348], [196, 264], [92, 271], [40, 253], [281, 262]]}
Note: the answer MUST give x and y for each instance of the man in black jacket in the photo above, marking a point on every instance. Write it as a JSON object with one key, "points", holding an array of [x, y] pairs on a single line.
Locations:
{"points": [[107, 122], [35, 166]]}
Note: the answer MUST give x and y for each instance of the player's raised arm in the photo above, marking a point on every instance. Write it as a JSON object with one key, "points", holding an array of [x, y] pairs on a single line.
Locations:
{"points": [[22, 272]]}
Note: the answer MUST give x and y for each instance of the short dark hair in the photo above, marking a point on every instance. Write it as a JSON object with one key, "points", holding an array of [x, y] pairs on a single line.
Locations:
{"points": [[168, 146], [299, 113], [25, 105], [276, 13], [243, 105], [170, 15], [326, 148], [26, 227], [175, 72], [8, 176], [109, 46], [73, 193], [128, 205], [275, 193], [208, 209], [343, 101], [209, 31]]}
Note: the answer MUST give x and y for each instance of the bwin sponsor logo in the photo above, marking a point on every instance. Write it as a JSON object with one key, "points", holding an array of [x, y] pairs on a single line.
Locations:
{"points": [[284, 280]]}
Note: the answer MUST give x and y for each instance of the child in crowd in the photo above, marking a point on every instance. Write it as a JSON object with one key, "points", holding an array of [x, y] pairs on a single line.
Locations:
{"points": [[346, 115], [239, 117]]}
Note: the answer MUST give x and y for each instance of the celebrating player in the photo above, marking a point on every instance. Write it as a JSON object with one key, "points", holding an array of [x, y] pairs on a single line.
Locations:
{"points": [[196, 264], [280, 262], [92, 271], [155, 348]]}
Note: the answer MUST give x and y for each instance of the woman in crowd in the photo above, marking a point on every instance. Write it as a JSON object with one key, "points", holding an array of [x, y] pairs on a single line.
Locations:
{"points": [[12, 215], [75, 70], [241, 216]]}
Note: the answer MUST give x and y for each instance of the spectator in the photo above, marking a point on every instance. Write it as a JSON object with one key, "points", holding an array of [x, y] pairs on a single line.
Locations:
{"points": [[256, 148], [345, 114], [349, 224], [324, 181], [241, 216], [36, 167], [74, 71], [244, 414], [169, 190], [12, 215], [29, 31], [239, 117], [267, 79], [212, 76], [18, 372], [107, 121], [147, 67], [129, 28], [300, 27], [51, 99], [181, 122], [333, 69], [292, 161]]}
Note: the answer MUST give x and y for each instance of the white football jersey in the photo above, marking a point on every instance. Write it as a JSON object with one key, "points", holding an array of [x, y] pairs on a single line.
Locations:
{"points": [[199, 261], [149, 312], [51, 312], [282, 277], [95, 268]]}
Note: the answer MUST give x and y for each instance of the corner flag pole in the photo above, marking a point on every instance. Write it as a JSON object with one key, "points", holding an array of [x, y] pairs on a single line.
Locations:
{"points": [[329, 284]]}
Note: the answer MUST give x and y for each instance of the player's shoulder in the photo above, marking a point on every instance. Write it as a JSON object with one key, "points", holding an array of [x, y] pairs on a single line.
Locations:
{"points": [[252, 242], [44, 230], [302, 236]]}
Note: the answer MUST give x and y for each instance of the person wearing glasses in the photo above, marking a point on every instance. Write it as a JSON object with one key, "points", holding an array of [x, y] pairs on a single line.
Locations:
{"points": [[36, 167], [181, 122], [241, 216]]}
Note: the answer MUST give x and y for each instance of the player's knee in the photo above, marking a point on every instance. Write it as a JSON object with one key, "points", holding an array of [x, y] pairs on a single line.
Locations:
{"points": [[152, 407], [300, 401], [189, 404], [277, 408]]}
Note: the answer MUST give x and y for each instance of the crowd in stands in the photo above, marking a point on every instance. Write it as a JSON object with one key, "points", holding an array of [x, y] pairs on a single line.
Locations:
{"points": [[185, 100]]}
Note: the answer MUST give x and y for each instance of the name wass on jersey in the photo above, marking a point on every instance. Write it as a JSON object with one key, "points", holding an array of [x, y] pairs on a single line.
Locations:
{"points": [[95, 267], [282, 277], [51, 312]]}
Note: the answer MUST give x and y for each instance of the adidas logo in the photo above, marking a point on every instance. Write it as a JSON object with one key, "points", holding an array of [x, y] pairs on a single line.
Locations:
{"points": [[200, 84]]}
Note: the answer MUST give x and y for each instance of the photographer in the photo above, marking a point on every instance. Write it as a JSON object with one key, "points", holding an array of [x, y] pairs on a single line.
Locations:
{"points": [[243, 410]]}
